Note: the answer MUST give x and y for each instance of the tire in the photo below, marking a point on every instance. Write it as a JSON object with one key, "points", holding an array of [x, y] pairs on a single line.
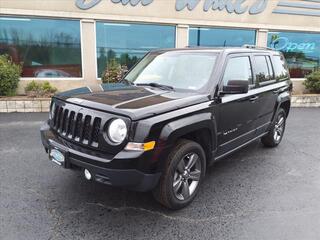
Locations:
{"points": [[177, 173], [275, 134]]}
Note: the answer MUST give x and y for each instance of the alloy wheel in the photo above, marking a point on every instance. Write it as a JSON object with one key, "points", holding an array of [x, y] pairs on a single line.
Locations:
{"points": [[279, 128], [187, 176]]}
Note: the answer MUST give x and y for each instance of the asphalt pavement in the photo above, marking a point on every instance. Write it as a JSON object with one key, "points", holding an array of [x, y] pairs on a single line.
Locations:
{"points": [[256, 193]]}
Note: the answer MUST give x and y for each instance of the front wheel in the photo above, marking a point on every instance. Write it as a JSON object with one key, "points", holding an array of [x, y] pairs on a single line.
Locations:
{"points": [[184, 171], [275, 134]]}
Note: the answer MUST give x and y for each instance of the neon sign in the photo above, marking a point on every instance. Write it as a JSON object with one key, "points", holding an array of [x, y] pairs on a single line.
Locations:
{"points": [[284, 44]]}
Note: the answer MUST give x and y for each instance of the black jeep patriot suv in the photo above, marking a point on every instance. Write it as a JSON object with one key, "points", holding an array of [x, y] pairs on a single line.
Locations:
{"points": [[174, 114]]}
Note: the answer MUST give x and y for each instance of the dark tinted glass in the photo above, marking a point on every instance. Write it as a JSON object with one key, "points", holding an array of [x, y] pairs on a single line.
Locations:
{"points": [[220, 37], [270, 68], [46, 48], [261, 69], [280, 68], [123, 44], [238, 68], [301, 50]]}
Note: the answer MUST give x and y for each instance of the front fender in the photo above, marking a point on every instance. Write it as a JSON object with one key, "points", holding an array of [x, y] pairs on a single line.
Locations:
{"points": [[176, 129], [166, 129]]}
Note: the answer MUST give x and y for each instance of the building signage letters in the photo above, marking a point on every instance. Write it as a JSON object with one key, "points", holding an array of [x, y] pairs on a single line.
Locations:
{"points": [[231, 6], [87, 4]]}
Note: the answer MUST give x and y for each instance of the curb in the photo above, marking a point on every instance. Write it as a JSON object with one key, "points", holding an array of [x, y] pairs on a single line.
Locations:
{"points": [[307, 100], [9, 105]]}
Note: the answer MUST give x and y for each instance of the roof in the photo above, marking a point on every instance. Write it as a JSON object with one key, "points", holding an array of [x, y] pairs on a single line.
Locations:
{"points": [[227, 50]]}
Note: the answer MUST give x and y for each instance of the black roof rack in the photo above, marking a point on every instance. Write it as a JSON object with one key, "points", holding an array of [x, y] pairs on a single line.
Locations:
{"points": [[257, 47]]}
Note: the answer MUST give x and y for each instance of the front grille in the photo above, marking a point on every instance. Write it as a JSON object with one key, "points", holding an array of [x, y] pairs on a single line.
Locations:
{"points": [[81, 128]]}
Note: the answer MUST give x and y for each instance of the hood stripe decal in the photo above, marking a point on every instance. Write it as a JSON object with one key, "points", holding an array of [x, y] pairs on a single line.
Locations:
{"points": [[137, 99]]}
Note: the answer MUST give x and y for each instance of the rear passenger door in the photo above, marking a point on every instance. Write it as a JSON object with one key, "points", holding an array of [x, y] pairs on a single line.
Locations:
{"points": [[267, 91]]}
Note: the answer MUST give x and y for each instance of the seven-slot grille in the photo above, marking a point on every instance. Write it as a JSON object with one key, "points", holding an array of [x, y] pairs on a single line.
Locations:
{"points": [[81, 128]]}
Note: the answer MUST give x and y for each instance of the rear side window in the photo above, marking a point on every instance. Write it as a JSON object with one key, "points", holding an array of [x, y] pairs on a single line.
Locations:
{"points": [[270, 68], [280, 67], [238, 68], [261, 69]]}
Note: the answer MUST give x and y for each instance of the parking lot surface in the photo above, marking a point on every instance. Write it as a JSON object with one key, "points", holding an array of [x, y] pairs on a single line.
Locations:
{"points": [[256, 193]]}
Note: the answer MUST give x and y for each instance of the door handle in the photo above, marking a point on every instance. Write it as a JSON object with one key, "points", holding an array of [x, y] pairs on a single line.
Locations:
{"points": [[253, 99]]}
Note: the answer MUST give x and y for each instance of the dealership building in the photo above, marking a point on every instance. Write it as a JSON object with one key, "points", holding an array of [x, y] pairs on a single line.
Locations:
{"points": [[71, 42]]}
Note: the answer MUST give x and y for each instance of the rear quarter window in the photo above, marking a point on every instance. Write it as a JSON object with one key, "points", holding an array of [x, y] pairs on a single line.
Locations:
{"points": [[262, 70], [280, 68]]}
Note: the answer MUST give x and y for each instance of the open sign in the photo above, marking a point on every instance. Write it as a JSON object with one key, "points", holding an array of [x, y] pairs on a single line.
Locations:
{"points": [[284, 44]]}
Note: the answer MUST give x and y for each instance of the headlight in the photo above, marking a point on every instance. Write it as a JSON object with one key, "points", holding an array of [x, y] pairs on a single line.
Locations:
{"points": [[117, 131]]}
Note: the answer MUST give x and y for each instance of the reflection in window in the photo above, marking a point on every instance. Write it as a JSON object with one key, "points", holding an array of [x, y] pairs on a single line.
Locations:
{"points": [[261, 69], [280, 69], [46, 48], [180, 70], [301, 50], [220, 37], [270, 68], [238, 69], [128, 43]]}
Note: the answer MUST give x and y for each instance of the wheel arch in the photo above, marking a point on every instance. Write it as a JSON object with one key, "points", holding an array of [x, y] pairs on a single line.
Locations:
{"points": [[200, 128], [286, 106], [283, 101]]}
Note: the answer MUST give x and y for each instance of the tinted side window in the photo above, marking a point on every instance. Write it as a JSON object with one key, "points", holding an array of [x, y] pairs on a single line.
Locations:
{"points": [[238, 68], [280, 67], [271, 73], [261, 69]]}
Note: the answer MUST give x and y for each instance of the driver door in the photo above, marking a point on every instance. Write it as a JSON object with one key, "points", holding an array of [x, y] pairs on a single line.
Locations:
{"points": [[237, 112]]}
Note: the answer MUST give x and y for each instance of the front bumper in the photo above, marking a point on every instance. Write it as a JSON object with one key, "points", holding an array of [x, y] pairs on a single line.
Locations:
{"points": [[102, 168]]}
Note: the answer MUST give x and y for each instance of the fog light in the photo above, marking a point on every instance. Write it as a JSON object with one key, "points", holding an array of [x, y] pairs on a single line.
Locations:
{"points": [[87, 174]]}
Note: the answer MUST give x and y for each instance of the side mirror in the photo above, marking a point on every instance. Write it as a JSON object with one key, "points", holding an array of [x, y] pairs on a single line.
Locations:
{"points": [[236, 87]]}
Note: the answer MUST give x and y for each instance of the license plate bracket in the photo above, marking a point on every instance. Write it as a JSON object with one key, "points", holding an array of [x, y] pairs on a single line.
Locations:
{"points": [[59, 157]]}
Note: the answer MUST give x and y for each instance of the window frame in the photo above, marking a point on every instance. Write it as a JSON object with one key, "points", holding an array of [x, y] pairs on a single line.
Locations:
{"points": [[81, 49], [271, 79], [270, 67], [221, 28], [286, 68], [252, 85], [127, 22]]}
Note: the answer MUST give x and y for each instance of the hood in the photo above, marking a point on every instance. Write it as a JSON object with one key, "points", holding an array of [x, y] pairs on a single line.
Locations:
{"points": [[135, 102]]}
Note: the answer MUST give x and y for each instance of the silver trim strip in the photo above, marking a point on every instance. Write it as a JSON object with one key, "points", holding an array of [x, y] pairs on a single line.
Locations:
{"points": [[317, 1], [294, 12], [239, 147], [233, 97], [242, 135], [299, 5]]}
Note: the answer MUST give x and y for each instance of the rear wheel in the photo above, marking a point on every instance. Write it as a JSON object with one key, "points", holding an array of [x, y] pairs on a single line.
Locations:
{"points": [[275, 134], [182, 176]]}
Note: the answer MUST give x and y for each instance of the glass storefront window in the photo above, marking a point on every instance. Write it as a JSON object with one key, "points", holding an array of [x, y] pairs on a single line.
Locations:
{"points": [[221, 37], [301, 50], [46, 48], [125, 43]]}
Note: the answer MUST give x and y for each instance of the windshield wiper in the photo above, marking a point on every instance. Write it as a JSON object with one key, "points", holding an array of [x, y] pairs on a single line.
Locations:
{"points": [[156, 85]]}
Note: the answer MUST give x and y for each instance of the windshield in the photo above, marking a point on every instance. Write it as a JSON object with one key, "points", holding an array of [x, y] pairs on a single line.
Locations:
{"points": [[182, 70]]}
